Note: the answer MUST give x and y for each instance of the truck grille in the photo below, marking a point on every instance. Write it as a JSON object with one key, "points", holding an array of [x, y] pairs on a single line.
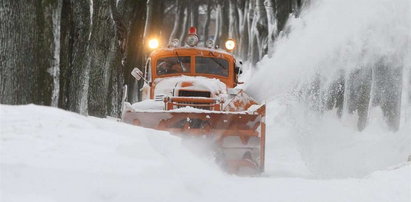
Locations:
{"points": [[196, 102], [185, 93], [159, 97], [194, 105]]}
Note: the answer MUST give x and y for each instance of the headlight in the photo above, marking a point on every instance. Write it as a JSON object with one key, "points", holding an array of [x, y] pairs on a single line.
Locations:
{"points": [[230, 44], [153, 43], [174, 43], [209, 43], [192, 40]]}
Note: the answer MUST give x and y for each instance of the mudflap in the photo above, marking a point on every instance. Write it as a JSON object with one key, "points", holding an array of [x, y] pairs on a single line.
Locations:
{"points": [[239, 137]]}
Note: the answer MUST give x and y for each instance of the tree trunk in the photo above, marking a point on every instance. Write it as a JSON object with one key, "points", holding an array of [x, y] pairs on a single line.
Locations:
{"points": [[27, 50], [207, 22], [225, 21], [258, 39], [75, 64], [233, 19], [132, 14], [55, 70], [271, 22], [179, 15], [217, 25], [184, 24], [244, 30], [102, 53], [283, 9], [193, 13], [65, 53], [157, 19], [147, 26]]}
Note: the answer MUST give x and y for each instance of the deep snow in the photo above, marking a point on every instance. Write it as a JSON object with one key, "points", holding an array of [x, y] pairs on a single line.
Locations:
{"points": [[48, 154]]}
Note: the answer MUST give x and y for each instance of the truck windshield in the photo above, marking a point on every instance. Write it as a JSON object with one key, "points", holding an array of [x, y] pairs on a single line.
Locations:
{"points": [[211, 65], [172, 65]]}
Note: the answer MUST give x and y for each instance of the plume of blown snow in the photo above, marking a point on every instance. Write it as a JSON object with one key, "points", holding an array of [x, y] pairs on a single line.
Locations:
{"points": [[331, 35]]}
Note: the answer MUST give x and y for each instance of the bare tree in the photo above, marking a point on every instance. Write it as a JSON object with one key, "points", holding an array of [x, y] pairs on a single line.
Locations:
{"points": [[75, 60], [157, 27], [133, 13], [258, 33], [244, 7], [104, 51], [147, 26], [77, 54], [283, 10], [184, 24], [271, 23], [179, 15], [27, 51], [207, 21], [233, 31], [193, 8], [217, 24]]}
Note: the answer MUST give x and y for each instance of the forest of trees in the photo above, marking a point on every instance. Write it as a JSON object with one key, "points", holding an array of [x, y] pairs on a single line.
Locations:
{"points": [[78, 54]]}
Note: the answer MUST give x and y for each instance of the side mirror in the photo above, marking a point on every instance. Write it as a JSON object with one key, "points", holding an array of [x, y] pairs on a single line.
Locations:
{"points": [[237, 70], [137, 73]]}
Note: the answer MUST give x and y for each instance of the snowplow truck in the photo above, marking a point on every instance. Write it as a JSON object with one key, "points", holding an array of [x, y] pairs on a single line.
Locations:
{"points": [[193, 91]]}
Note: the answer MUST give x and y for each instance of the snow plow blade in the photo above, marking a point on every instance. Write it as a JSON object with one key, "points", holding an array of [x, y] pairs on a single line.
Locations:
{"points": [[239, 137]]}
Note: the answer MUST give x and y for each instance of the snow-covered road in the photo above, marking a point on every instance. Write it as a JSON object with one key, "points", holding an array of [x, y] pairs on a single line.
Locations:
{"points": [[48, 154]]}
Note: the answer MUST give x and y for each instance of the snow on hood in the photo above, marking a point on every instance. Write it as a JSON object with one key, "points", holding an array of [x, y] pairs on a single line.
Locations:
{"points": [[170, 85]]}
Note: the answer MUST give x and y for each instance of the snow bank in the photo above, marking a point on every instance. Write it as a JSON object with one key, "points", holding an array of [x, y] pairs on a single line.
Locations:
{"points": [[51, 155]]}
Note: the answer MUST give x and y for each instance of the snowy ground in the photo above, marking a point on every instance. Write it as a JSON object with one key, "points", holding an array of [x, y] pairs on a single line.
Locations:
{"points": [[47, 154], [52, 155]]}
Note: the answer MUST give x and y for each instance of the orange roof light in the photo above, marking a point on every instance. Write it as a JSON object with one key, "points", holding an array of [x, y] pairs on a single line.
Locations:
{"points": [[192, 30], [192, 38]]}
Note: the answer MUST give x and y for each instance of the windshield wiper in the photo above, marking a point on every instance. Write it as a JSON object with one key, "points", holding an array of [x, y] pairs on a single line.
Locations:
{"points": [[181, 63]]}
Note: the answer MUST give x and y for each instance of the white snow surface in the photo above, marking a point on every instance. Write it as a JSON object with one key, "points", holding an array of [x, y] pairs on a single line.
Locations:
{"points": [[48, 154]]}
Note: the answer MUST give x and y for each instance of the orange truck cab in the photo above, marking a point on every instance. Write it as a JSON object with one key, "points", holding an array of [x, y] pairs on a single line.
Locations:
{"points": [[189, 62]]}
